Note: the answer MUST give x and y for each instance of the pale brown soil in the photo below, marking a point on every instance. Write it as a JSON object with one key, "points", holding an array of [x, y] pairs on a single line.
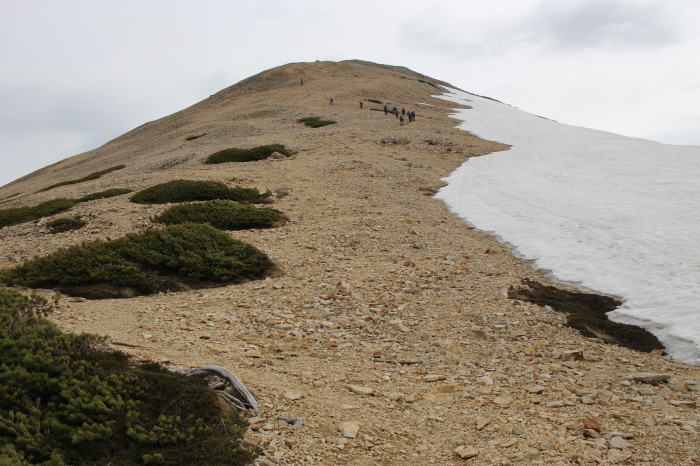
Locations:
{"points": [[375, 270]]}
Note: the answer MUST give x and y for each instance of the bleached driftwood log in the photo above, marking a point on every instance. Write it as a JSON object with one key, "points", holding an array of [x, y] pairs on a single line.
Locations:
{"points": [[244, 401]]}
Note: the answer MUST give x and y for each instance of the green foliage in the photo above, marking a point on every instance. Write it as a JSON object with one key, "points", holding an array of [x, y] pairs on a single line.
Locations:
{"points": [[224, 215], [144, 263], [105, 194], [196, 136], [246, 155], [375, 101], [92, 176], [64, 399], [63, 224], [586, 313], [190, 190], [315, 122], [19, 215]]}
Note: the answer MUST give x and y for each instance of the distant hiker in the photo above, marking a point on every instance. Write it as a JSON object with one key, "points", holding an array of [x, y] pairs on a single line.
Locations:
{"points": [[302, 81], [331, 101], [386, 109], [361, 104], [403, 111], [401, 120], [413, 115], [396, 112]]}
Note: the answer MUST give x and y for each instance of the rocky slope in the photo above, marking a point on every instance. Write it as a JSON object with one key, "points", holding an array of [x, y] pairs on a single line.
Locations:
{"points": [[390, 332]]}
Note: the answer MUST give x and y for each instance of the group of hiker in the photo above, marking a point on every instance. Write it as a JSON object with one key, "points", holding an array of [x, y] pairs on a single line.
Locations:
{"points": [[401, 115]]}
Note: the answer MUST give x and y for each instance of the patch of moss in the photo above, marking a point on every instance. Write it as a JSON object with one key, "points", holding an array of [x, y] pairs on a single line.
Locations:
{"points": [[246, 155], [92, 176], [315, 122], [65, 399], [224, 215], [586, 313], [63, 224], [191, 190], [174, 258]]}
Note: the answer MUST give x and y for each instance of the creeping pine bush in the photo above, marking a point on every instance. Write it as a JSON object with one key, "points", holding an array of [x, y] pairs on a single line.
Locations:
{"points": [[91, 176], [224, 215], [375, 101], [191, 190], [64, 224], [17, 215], [315, 122], [66, 400], [144, 263], [246, 155]]}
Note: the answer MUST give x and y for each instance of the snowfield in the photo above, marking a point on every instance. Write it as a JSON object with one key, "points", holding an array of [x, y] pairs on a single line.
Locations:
{"points": [[609, 213]]}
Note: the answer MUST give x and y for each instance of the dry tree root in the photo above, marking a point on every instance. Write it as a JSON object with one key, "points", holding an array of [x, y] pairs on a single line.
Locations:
{"points": [[236, 394]]}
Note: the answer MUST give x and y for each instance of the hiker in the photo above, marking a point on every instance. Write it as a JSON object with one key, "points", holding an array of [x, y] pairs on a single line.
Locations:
{"points": [[401, 120], [396, 112], [302, 81], [386, 109], [413, 115], [361, 104], [331, 101], [403, 111]]}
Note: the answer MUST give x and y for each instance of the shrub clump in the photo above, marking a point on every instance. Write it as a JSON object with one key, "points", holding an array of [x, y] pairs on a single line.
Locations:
{"points": [[586, 312], [17, 215], [172, 259], [64, 224], [191, 190], [316, 122], [105, 194], [65, 399], [246, 155], [91, 176], [195, 136], [224, 215], [375, 101]]}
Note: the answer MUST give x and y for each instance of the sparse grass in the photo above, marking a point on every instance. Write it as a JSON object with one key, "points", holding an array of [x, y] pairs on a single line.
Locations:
{"points": [[63, 224], [65, 399], [17, 215], [315, 122], [191, 190], [196, 136], [246, 155], [586, 313], [92, 176], [171, 259], [375, 101], [224, 215]]}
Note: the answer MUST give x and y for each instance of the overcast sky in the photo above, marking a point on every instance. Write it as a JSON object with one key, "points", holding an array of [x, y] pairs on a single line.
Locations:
{"points": [[75, 74]]}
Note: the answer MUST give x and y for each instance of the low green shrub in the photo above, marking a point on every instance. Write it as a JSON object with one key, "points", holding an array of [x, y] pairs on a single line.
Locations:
{"points": [[587, 313], [315, 122], [191, 190], [18, 215], [92, 176], [65, 399], [246, 155], [196, 136], [171, 259], [224, 215], [105, 194], [375, 101], [63, 224]]}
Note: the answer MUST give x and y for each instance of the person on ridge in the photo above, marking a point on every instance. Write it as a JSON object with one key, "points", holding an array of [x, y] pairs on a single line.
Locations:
{"points": [[386, 109], [331, 101], [403, 111], [302, 81], [401, 120], [361, 104]]}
